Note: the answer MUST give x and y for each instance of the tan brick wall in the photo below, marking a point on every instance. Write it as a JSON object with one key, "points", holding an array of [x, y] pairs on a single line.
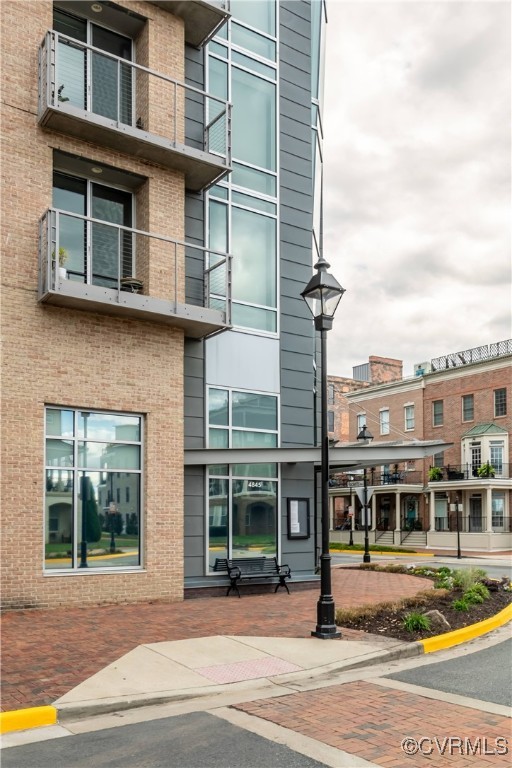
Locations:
{"points": [[78, 358], [384, 369], [340, 406]]}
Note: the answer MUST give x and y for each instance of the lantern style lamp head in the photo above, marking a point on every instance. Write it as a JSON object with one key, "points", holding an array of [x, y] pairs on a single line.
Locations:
{"points": [[322, 295], [365, 436]]}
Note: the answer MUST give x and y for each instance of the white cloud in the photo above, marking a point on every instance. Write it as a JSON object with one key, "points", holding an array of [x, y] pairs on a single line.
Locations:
{"points": [[417, 177]]}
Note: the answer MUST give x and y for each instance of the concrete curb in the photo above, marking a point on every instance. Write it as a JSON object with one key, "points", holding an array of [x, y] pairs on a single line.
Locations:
{"points": [[35, 717], [22, 719], [457, 636]]}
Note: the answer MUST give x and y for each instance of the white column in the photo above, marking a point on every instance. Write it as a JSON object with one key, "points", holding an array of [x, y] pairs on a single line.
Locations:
{"points": [[432, 510], [373, 507], [488, 510]]}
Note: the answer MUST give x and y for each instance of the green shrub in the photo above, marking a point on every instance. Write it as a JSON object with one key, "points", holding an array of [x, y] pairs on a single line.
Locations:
{"points": [[444, 583], [476, 594], [472, 597], [461, 604], [467, 577], [415, 622]]}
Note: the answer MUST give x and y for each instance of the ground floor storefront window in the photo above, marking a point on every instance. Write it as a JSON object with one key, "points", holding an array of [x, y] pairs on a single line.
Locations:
{"points": [[92, 490], [242, 511]]}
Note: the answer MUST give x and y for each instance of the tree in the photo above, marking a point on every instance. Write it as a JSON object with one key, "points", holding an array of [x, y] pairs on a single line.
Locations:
{"points": [[90, 511]]}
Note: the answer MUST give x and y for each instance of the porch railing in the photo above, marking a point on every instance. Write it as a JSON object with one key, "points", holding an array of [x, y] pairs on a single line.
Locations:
{"points": [[75, 77], [93, 252], [472, 471]]}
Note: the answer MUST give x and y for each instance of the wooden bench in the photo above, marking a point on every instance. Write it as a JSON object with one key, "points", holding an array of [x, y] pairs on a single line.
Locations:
{"points": [[247, 568]]}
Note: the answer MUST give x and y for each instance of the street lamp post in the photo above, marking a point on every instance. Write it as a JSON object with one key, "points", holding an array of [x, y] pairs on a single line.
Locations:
{"points": [[351, 518], [322, 295], [459, 553], [365, 436]]}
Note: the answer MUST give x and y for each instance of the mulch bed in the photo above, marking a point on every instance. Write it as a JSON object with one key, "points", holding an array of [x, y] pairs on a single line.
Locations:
{"points": [[388, 622]]}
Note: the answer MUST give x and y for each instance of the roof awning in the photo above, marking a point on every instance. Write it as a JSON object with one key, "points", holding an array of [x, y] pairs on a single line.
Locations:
{"points": [[349, 455]]}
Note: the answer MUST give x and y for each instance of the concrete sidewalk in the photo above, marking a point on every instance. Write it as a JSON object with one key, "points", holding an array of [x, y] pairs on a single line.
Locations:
{"points": [[48, 653], [156, 673]]}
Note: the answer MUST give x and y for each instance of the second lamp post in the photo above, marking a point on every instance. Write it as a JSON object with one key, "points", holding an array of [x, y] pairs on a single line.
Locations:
{"points": [[365, 436]]}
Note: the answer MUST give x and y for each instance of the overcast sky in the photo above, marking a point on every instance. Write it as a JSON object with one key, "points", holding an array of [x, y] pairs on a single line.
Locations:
{"points": [[417, 177]]}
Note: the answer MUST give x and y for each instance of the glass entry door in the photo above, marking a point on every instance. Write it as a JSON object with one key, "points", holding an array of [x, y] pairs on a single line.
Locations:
{"points": [[92, 80], [97, 253]]}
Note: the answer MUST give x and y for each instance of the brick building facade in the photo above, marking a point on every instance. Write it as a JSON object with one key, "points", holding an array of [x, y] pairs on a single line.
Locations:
{"points": [[160, 218], [465, 401]]}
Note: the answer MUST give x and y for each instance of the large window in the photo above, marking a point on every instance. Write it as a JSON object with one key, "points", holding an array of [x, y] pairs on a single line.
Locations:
{"points": [[93, 490], [437, 413], [243, 208], [97, 253], [468, 408], [361, 421], [242, 511], [409, 417], [496, 451], [251, 235], [92, 80], [242, 419], [500, 402]]}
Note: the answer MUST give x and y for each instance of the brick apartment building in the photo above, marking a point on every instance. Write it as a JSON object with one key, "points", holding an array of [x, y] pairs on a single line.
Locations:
{"points": [[161, 176], [463, 398]]}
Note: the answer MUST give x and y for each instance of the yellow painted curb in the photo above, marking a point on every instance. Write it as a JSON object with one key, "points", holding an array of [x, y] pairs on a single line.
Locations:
{"points": [[372, 552], [21, 719], [466, 633]]}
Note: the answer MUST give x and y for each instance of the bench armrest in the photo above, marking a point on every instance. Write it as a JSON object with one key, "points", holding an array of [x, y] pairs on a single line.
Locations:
{"points": [[284, 570], [234, 572]]}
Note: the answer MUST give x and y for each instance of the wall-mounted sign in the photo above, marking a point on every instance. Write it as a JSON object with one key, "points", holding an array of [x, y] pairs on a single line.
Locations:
{"points": [[298, 519]]}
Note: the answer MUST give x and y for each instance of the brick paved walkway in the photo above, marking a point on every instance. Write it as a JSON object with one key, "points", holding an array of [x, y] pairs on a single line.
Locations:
{"points": [[371, 721], [45, 653]]}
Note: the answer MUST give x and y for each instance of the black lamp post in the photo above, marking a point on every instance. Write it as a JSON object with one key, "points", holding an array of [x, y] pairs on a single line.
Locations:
{"points": [[85, 492], [365, 436], [322, 295], [459, 553], [112, 512], [351, 518]]}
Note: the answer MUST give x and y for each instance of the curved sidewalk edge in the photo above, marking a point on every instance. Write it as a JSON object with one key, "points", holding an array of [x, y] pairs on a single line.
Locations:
{"points": [[457, 636]]}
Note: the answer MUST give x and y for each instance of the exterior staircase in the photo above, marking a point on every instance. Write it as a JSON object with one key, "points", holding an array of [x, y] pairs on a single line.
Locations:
{"points": [[385, 538], [415, 539]]}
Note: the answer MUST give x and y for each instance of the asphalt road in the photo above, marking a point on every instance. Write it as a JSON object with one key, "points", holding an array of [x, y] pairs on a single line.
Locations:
{"points": [[197, 740], [485, 675]]}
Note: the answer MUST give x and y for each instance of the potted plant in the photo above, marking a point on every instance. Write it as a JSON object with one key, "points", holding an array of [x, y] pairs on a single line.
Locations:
{"points": [[435, 473], [63, 257], [486, 470]]}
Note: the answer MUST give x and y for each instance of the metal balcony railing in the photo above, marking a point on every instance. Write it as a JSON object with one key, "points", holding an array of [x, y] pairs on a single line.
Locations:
{"points": [[77, 250], [454, 472], [376, 478], [131, 107]]}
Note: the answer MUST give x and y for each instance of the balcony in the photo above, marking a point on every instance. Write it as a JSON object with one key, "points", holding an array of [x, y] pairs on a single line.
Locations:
{"points": [[96, 266], [202, 19], [376, 479], [458, 472], [93, 95]]}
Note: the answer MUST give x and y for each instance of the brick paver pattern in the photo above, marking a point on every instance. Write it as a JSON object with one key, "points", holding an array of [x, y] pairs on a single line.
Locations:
{"points": [[46, 653], [371, 721]]}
